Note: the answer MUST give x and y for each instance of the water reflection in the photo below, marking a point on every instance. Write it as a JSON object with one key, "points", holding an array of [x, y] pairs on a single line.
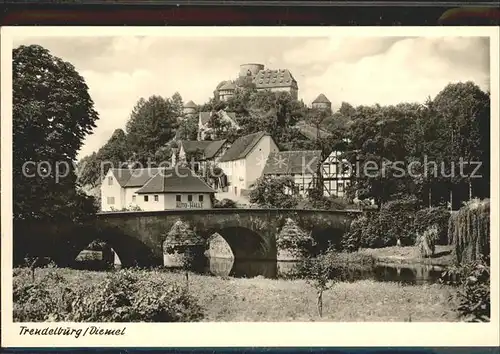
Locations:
{"points": [[419, 274]]}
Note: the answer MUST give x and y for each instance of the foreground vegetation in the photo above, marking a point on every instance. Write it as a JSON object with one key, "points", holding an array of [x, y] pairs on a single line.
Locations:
{"points": [[161, 296]]}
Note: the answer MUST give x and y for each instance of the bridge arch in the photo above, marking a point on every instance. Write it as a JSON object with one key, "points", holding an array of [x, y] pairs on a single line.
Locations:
{"points": [[244, 242], [325, 237], [131, 251]]}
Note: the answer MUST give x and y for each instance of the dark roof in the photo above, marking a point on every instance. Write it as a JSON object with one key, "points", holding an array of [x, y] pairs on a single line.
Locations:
{"points": [[310, 131], [287, 162], [122, 175], [222, 83], [228, 86], [205, 117], [175, 180], [190, 104], [321, 99], [242, 146], [209, 148], [274, 78], [212, 149], [140, 176]]}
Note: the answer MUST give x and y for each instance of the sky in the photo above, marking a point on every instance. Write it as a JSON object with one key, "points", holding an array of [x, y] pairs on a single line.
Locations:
{"points": [[358, 70]]}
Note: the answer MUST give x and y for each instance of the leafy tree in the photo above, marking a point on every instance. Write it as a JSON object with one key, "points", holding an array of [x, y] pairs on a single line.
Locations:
{"points": [[269, 192], [188, 128], [52, 114], [151, 125], [177, 104]]}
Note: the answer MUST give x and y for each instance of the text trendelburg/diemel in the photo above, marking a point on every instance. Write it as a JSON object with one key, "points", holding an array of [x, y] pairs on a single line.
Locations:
{"points": [[68, 331]]}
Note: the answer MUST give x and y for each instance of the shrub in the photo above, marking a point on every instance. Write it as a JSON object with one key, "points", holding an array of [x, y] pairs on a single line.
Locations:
{"points": [[352, 239], [225, 203], [473, 283], [470, 231], [426, 241], [397, 220], [123, 296], [437, 216]]}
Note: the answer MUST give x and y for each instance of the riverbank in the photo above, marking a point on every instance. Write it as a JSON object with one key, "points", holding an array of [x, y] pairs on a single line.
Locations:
{"points": [[226, 299], [443, 255]]}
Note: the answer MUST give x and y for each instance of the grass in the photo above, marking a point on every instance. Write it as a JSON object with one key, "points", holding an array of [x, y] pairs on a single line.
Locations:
{"points": [[443, 255], [259, 299]]}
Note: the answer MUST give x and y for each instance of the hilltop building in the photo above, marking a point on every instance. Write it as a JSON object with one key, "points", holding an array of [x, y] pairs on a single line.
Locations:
{"points": [[190, 109], [155, 189], [274, 80], [323, 103]]}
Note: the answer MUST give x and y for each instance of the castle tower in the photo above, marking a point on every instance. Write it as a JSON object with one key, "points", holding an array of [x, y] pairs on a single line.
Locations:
{"points": [[190, 109], [250, 69], [321, 102]]}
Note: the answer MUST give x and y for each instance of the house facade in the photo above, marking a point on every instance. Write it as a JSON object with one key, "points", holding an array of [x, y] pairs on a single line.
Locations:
{"points": [[302, 166], [336, 175], [244, 161], [153, 189]]}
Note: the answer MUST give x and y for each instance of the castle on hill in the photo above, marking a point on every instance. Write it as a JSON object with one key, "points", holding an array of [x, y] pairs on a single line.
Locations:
{"points": [[274, 80]]}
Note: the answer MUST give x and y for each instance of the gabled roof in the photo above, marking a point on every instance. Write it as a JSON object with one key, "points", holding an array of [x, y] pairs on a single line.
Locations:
{"points": [[140, 176], [122, 175], [274, 78], [209, 148], [190, 104], [297, 162], [321, 99], [175, 180], [228, 86], [205, 117], [242, 147]]}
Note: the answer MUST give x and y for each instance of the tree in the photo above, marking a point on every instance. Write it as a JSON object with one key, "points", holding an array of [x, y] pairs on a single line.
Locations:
{"points": [[188, 128], [177, 104], [151, 125], [52, 114], [270, 192]]}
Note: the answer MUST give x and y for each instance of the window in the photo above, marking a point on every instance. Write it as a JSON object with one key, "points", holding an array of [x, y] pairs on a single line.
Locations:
{"points": [[178, 198], [156, 198], [340, 186], [111, 200], [110, 180], [200, 198], [146, 198], [190, 198], [133, 198]]}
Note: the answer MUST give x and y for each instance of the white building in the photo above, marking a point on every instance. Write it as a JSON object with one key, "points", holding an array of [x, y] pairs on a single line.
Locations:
{"points": [[154, 189], [244, 161]]}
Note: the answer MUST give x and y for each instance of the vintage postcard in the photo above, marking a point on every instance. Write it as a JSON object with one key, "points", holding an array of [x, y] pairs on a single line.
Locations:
{"points": [[249, 186]]}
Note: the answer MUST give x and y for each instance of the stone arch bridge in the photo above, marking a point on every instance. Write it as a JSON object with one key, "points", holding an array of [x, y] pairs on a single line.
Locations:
{"points": [[137, 237]]}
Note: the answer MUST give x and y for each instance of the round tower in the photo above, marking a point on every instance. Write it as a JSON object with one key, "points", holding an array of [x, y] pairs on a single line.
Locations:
{"points": [[190, 109], [250, 69]]}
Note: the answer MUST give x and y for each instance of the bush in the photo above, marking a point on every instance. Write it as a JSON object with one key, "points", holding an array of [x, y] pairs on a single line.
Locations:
{"points": [[225, 203], [353, 238], [294, 240], [473, 294], [124, 296], [426, 241], [470, 231], [437, 216]]}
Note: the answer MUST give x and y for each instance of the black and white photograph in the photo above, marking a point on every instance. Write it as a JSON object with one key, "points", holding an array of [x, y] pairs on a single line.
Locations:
{"points": [[248, 175]]}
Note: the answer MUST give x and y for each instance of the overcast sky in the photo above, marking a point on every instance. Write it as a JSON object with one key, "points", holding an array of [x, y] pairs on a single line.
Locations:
{"points": [[387, 70]]}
